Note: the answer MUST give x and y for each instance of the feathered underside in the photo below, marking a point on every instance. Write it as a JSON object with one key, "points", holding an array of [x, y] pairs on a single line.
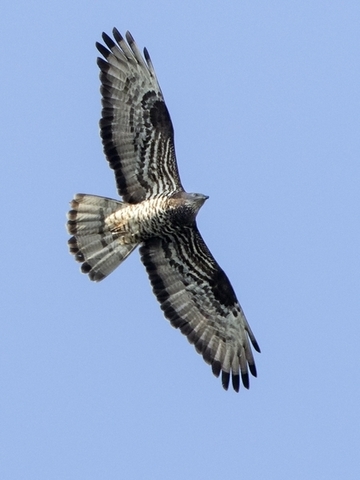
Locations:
{"points": [[94, 243], [138, 138], [197, 297], [135, 127]]}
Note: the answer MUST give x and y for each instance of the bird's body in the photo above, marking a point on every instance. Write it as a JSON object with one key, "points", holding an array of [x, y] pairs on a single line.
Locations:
{"points": [[158, 215]]}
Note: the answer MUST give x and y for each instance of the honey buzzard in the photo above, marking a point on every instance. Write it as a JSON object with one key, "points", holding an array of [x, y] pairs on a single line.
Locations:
{"points": [[158, 215]]}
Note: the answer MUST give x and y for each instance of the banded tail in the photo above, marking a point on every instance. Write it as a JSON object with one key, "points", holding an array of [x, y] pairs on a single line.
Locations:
{"points": [[93, 243]]}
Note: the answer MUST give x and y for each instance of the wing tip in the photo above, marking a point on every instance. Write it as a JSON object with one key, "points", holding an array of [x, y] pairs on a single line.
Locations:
{"points": [[235, 382], [117, 35], [245, 380], [130, 39], [255, 345], [216, 368], [108, 40], [103, 50], [225, 379], [252, 368]]}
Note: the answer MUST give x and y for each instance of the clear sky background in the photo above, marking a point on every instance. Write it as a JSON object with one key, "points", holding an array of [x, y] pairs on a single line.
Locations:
{"points": [[94, 383]]}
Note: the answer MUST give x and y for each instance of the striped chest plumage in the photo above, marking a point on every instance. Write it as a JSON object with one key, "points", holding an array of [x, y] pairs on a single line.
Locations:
{"points": [[142, 220]]}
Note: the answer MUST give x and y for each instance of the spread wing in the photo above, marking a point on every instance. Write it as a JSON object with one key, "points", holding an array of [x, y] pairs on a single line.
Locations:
{"points": [[135, 127], [197, 297]]}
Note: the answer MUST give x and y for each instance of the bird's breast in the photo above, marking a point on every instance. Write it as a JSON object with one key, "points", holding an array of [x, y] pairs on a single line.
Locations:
{"points": [[140, 221]]}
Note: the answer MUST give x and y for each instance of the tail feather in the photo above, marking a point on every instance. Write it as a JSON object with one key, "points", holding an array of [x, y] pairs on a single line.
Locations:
{"points": [[93, 243]]}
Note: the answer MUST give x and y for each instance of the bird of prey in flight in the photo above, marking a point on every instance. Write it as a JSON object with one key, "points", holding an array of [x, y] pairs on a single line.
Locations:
{"points": [[157, 215]]}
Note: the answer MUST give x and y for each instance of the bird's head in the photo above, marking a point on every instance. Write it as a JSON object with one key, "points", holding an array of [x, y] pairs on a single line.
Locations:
{"points": [[196, 200], [188, 205]]}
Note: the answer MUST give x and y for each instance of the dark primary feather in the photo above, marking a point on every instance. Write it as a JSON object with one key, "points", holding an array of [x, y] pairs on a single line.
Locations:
{"points": [[135, 127]]}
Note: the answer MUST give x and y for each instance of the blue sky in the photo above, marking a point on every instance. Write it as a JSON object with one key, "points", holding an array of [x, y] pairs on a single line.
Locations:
{"points": [[95, 384]]}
